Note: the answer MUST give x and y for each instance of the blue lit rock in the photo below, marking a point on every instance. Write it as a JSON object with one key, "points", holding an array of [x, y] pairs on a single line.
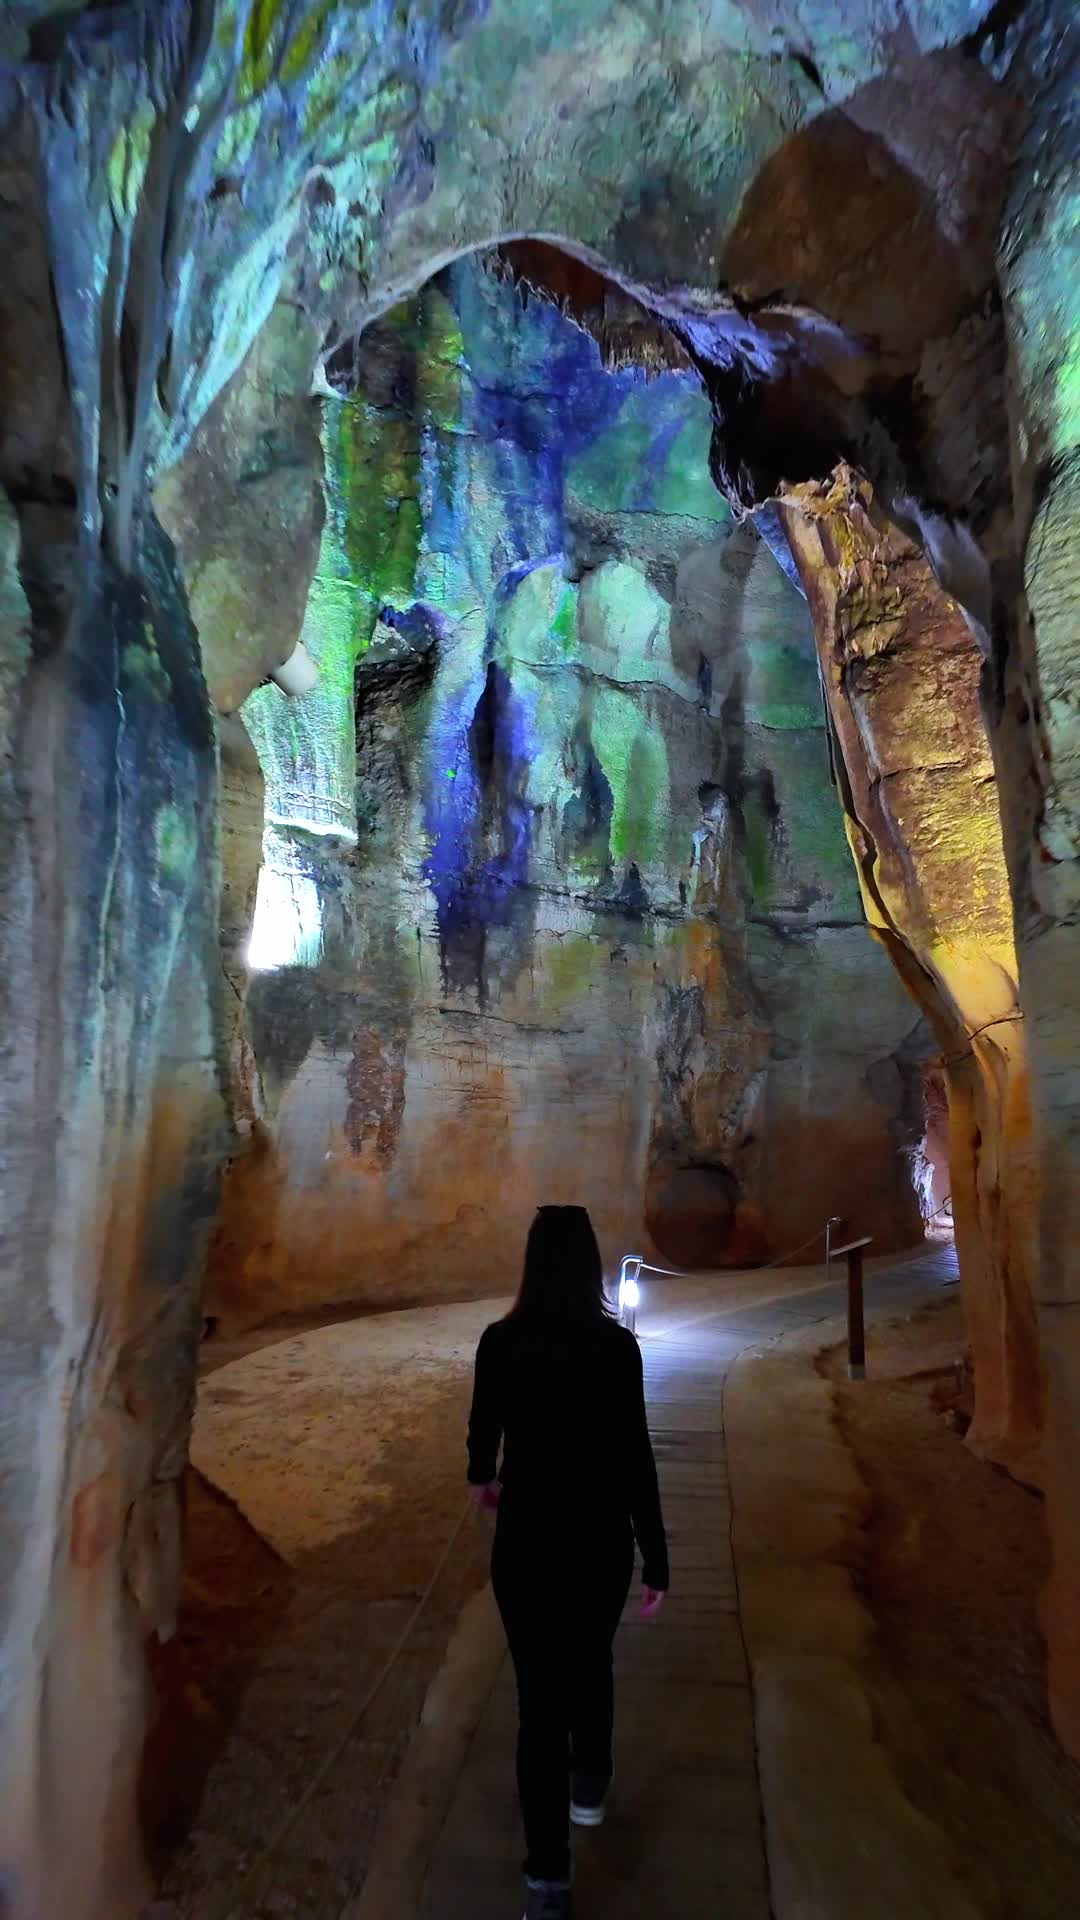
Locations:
{"points": [[600, 937]]}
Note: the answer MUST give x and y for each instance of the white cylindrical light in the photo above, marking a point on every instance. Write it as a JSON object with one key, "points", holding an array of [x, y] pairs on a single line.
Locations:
{"points": [[629, 1290], [298, 674]]}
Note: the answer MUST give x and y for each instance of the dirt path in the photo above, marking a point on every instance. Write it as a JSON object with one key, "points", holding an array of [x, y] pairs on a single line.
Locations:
{"points": [[955, 1555], [328, 1479]]}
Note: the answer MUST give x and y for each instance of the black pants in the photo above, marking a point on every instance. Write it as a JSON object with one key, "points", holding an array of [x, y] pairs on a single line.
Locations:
{"points": [[560, 1602]]}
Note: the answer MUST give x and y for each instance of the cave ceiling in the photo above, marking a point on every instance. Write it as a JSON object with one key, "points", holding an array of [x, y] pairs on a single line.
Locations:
{"points": [[802, 200]]}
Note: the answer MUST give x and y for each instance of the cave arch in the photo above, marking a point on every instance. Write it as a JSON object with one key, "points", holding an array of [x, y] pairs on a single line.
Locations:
{"points": [[926, 918], [141, 277]]}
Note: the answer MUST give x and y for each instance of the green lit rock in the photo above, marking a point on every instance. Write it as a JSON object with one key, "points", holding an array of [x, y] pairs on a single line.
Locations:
{"points": [[15, 624], [599, 858], [245, 509]]}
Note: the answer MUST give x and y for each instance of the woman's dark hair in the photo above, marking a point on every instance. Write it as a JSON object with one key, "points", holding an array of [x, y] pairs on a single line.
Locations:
{"points": [[563, 1275]]}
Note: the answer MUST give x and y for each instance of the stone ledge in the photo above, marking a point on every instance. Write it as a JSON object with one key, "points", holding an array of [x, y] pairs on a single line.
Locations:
{"points": [[842, 1836], [418, 1806]]}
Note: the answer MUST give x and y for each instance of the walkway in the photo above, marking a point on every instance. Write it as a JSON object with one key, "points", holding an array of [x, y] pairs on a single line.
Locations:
{"points": [[338, 1452], [685, 1834]]}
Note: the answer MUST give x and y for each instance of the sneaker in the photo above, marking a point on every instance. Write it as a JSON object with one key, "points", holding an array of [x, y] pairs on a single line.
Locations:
{"points": [[588, 1802], [546, 1902]]}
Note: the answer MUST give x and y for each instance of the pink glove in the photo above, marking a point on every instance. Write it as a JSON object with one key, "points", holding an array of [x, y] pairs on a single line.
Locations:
{"points": [[486, 1497], [652, 1599]]}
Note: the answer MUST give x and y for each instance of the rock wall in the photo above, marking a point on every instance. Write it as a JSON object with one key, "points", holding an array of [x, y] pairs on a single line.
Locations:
{"points": [[169, 176], [244, 508], [1034, 728], [570, 915], [112, 1129], [112, 1110], [902, 670]]}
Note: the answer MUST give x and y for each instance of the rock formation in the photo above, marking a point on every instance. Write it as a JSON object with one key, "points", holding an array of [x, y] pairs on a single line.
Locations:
{"points": [[902, 671], [556, 900], [859, 224]]}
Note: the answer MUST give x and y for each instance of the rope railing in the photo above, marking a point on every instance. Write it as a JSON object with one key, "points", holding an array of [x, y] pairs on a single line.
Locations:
{"points": [[244, 1895], [633, 1265]]}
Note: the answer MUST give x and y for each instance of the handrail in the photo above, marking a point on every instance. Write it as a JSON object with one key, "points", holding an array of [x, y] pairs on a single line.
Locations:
{"points": [[633, 1265]]}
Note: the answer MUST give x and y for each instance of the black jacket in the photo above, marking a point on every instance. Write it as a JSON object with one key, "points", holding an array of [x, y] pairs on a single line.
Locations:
{"points": [[567, 1400]]}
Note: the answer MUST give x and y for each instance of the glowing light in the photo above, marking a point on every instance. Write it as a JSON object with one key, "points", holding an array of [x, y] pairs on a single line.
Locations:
{"points": [[287, 928], [629, 1290]]}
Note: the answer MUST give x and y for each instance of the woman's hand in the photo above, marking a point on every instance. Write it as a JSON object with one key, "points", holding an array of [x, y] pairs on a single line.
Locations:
{"points": [[652, 1599], [486, 1497]]}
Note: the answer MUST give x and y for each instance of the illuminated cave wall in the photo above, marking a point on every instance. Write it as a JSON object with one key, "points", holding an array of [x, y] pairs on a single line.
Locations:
{"points": [[556, 902]]}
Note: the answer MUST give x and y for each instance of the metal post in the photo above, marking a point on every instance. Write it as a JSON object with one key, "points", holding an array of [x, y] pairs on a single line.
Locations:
{"points": [[855, 1320], [833, 1220]]}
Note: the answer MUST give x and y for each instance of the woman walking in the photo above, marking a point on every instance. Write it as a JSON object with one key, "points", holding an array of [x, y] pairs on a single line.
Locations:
{"points": [[559, 1382]]}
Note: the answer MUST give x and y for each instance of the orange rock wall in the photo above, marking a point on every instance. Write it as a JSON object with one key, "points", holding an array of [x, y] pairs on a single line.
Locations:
{"points": [[902, 672], [1033, 716]]}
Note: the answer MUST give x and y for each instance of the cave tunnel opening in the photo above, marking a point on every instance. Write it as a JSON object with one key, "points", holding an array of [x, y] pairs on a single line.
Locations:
{"points": [[560, 639], [938, 1192], [602, 689], [551, 900]]}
